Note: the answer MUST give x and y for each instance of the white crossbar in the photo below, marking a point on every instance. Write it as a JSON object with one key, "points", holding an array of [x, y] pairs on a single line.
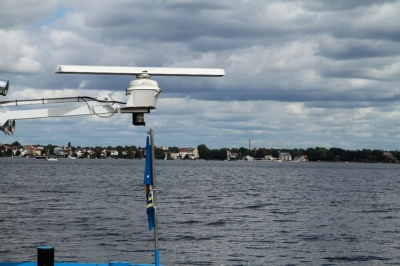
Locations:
{"points": [[153, 71]]}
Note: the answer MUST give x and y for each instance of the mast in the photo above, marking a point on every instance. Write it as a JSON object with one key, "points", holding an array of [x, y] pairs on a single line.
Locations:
{"points": [[154, 192]]}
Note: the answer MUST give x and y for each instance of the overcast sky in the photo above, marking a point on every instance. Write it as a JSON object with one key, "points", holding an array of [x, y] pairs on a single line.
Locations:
{"points": [[298, 74]]}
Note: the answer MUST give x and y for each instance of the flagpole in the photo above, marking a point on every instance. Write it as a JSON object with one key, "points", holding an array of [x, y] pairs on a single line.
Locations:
{"points": [[156, 251]]}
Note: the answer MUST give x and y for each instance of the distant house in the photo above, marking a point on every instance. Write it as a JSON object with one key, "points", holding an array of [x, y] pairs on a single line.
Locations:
{"points": [[285, 156], [387, 154], [269, 158], [174, 155], [248, 158], [90, 153], [61, 151], [193, 153], [39, 148], [300, 158], [183, 152], [37, 153], [58, 151], [79, 152], [29, 150], [16, 151], [231, 155]]}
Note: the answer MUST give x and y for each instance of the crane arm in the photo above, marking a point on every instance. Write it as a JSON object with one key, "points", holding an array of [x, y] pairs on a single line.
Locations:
{"points": [[7, 118]]}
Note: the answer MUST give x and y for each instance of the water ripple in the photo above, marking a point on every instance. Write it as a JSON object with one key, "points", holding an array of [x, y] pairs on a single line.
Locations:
{"points": [[209, 213]]}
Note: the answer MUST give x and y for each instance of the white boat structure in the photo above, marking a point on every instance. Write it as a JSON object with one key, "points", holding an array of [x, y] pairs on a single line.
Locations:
{"points": [[142, 97], [52, 158]]}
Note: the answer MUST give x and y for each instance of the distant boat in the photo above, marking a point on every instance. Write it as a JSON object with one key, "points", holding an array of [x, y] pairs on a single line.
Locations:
{"points": [[165, 156], [52, 159], [70, 157]]}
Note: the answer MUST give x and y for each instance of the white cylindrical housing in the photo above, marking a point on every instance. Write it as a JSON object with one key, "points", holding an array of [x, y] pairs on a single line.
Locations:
{"points": [[3, 87], [143, 93]]}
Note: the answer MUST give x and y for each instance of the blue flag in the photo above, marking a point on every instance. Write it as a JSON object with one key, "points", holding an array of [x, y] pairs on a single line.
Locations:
{"points": [[148, 175], [150, 210], [147, 180]]}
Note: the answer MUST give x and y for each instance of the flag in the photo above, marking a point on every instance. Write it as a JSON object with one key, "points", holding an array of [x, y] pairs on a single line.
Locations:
{"points": [[150, 209], [148, 175], [147, 180]]}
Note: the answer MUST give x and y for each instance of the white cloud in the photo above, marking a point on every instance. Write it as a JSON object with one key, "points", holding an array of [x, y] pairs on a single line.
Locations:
{"points": [[22, 58]]}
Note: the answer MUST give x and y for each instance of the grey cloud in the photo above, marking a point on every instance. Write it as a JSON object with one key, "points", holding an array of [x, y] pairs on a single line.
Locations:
{"points": [[233, 26], [345, 104], [340, 5], [353, 49], [17, 14], [370, 69], [323, 97]]}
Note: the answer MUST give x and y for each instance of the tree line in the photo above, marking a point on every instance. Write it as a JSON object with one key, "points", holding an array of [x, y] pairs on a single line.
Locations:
{"points": [[313, 154], [126, 152]]}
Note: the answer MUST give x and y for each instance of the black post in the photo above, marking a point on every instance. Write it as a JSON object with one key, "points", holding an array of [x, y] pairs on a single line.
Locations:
{"points": [[45, 256]]}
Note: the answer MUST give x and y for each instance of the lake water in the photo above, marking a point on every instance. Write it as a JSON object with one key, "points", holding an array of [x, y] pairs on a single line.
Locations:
{"points": [[210, 213]]}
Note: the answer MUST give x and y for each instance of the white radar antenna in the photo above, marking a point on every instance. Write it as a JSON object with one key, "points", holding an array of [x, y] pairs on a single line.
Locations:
{"points": [[142, 94]]}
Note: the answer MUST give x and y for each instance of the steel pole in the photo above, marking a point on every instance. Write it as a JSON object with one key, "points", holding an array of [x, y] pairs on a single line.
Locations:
{"points": [[153, 170]]}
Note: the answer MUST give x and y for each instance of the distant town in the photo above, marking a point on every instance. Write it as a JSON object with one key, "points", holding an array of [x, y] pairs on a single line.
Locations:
{"points": [[201, 152]]}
